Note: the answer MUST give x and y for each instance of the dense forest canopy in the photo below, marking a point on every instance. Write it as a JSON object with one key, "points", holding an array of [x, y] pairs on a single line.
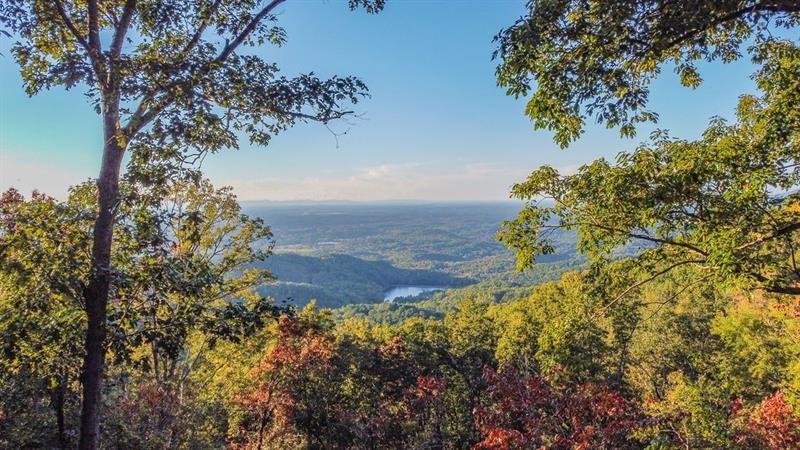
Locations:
{"points": [[661, 309]]}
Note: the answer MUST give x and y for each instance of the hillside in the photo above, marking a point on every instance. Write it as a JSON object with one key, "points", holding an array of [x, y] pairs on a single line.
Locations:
{"points": [[337, 279], [436, 236], [351, 253]]}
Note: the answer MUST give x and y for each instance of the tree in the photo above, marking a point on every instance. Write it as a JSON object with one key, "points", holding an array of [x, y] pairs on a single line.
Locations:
{"points": [[43, 253], [773, 425], [292, 388], [182, 258], [529, 412], [557, 328], [596, 59], [185, 266], [169, 76], [726, 203]]}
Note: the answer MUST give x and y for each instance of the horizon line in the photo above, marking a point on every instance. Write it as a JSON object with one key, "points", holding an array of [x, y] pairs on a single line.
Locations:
{"points": [[397, 201]]}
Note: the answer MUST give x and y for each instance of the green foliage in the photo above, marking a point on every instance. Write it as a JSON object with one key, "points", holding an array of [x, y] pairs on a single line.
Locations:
{"points": [[336, 279], [570, 336], [180, 267], [172, 82], [43, 253], [687, 241], [760, 347], [703, 411], [595, 60], [690, 366], [499, 287], [165, 65], [676, 374], [725, 202], [672, 334], [680, 332]]}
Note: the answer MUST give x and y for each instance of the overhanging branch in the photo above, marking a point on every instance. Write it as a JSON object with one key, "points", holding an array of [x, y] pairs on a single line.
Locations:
{"points": [[142, 116], [776, 234], [644, 237], [651, 278]]}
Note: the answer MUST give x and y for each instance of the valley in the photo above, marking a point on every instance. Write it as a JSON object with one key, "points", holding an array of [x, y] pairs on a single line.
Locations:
{"points": [[356, 253]]}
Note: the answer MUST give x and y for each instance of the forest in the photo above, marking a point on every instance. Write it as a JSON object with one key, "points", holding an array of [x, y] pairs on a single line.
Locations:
{"points": [[337, 279], [650, 301], [339, 254]]}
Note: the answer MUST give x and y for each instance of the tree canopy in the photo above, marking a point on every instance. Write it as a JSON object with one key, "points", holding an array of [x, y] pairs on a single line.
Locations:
{"points": [[142, 290], [182, 268], [595, 60], [726, 202], [174, 69]]}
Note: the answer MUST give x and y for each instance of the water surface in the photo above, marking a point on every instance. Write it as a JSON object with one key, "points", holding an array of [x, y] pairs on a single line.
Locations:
{"points": [[408, 291]]}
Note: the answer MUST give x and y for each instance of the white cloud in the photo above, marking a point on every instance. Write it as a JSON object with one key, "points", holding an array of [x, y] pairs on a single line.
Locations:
{"points": [[413, 181], [430, 181]]}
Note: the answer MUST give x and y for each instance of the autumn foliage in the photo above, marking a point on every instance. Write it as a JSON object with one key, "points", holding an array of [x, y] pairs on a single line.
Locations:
{"points": [[772, 425], [530, 412], [273, 407]]}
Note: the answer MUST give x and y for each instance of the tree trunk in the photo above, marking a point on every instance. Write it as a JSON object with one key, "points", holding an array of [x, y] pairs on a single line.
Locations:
{"points": [[57, 395], [96, 293]]}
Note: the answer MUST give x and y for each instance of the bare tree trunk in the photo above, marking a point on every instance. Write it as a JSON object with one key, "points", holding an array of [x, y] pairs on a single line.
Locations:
{"points": [[97, 291]]}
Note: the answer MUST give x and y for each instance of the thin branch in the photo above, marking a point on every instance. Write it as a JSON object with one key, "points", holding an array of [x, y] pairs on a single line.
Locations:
{"points": [[145, 103], [323, 118], [778, 233], [201, 29], [645, 237], [647, 280], [122, 28], [233, 45], [93, 46], [318, 118], [674, 296], [712, 23]]}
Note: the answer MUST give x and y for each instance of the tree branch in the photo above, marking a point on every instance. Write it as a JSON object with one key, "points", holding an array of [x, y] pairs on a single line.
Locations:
{"points": [[644, 237], [142, 116], [122, 28], [71, 26], [789, 290], [92, 47], [322, 118], [232, 46], [198, 34], [319, 118], [200, 29], [774, 6], [94, 27], [645, 281], [777, 233]]}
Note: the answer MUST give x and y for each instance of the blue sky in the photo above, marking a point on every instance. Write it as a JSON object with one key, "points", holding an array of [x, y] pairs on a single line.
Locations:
{"points": [[436, 128]]}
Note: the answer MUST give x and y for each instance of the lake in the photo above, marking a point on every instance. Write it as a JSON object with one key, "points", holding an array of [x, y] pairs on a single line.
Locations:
{"points": [[408, 291]]}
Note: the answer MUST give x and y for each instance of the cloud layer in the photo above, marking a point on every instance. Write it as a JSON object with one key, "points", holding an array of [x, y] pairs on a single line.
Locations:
{"points": [[429, 181], [411, 181]]}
